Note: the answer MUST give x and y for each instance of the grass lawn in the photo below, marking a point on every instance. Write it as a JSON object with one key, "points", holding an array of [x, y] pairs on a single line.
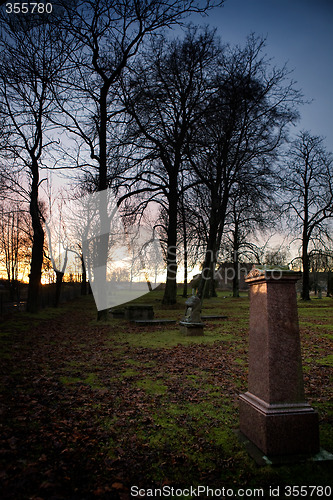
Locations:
{"points": [[90, 409]]}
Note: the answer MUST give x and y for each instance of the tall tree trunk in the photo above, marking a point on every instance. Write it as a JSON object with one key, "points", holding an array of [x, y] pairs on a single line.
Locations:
{"points": [[84, 278], [210, 256], [102, 257], [212, 288], [216, 226], [306, 269], [185, 248], [206, 275], [170, 292], [305, 243], [235, 281], [185, 273], [329, 284], [37, 246], [59, 277]]}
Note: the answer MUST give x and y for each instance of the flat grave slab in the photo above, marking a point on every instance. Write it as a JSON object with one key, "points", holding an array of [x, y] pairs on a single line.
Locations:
{"points": [[161, 321], [214, 317]]}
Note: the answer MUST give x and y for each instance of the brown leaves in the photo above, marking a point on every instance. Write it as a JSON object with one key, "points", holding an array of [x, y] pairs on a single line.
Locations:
{"points": [[86, 413]]}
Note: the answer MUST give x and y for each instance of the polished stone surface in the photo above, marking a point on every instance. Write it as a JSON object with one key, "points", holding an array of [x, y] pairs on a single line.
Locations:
{"points": [[273, 413], [279, 429]]}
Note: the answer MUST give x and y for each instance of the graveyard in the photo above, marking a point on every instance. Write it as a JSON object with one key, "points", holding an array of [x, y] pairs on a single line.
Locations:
{"points": [[166, 250], [93, 408]]}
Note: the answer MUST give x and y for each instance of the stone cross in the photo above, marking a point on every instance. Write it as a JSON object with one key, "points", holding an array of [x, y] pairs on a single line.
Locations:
{"points": [[273, 413]]}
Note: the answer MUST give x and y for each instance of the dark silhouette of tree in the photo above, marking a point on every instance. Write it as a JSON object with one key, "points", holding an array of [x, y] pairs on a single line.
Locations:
{"points": [[166, 99], [32, 55], [307, 184], [183, 229], [14, 244], [321, 260], [277, 256], [251, 210], [107, 36], [246, 124]]}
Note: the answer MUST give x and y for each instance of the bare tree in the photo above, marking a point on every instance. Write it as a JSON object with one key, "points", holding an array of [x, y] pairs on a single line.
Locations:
{"points": [[250, 110], [32, 54], [277, 256], [307, 184], [321, 260], [108, 35], [166, 99], [251, 210], [14, 244]]}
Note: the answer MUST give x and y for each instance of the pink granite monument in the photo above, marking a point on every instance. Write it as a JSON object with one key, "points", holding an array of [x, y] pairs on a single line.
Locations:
{"points": [[273, 413]]}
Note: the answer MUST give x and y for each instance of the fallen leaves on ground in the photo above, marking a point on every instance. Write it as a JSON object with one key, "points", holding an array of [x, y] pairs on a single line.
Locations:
{"points": [[84, 416]]}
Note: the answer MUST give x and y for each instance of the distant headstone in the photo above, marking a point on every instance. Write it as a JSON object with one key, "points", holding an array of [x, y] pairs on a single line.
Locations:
{"points": [[118, 313], [273, 413], [139, 311]]}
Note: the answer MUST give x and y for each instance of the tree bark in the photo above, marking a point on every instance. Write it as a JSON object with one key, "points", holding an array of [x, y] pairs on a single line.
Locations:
{"points": [[206, 275], [235, 281], [212, 288], [205, 288], [185, 248], [102, 315], [37, 246], [59, 278], [306, 269], [84, 278], [170, 292], [329, 284], [185, 273]]}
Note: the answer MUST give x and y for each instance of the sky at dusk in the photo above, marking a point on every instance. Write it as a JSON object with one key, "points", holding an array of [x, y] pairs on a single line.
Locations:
{"points": [[299, 33]]}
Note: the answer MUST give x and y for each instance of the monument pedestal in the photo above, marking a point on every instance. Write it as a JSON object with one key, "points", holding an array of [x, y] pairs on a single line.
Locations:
{"points": [[191, 329], [273, 413], [279, 429]]}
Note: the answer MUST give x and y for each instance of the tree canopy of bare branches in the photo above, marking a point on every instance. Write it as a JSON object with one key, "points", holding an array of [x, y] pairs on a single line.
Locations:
{"points": [[32, 56], [307, 184]]}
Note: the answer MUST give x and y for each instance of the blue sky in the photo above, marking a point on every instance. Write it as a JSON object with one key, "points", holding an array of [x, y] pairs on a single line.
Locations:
{"points": [[299, 33]]}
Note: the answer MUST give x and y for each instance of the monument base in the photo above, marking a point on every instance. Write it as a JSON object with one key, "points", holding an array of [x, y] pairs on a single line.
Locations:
{"points": [[279, 429], [191, 329], [262, 459]]}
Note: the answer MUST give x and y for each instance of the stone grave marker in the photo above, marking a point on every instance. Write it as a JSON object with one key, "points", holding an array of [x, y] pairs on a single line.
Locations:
{"points": [[139, 311], [273, 412], [191, 324]]}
